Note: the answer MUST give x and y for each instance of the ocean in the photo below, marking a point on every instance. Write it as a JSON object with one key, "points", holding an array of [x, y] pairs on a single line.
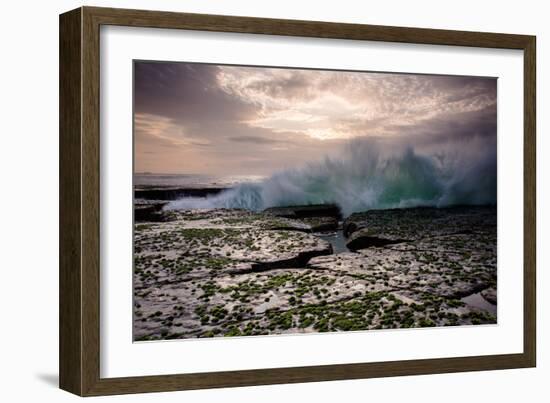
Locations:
{"points": [[369, 175], [192, 181]]}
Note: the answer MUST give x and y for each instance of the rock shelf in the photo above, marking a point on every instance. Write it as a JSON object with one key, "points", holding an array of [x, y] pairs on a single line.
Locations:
{"points": [[228, 272]]}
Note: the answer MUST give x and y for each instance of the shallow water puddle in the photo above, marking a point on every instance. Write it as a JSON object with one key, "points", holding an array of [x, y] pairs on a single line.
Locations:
{"points": [[477, 301], [336, 239]]}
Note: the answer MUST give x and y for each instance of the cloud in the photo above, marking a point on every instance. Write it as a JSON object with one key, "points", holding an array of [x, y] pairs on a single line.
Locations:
{"points": [[185, 92], [164, 130], [285, 117], [253, 139], [335, 104]]}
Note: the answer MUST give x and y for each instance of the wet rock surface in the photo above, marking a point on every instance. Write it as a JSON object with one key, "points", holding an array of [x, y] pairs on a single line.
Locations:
{"points": [[149, 210], [173, 192], [223, 272]]}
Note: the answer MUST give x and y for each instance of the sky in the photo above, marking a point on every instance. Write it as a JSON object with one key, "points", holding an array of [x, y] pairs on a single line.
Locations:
{"points": [[234, 120]]}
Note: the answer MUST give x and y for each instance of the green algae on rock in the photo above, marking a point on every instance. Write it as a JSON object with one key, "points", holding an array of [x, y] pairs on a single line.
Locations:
{"points": [[230, 272]]}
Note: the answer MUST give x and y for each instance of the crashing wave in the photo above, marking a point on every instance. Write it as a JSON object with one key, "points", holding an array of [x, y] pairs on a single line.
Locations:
{"points": [[372, 174]]}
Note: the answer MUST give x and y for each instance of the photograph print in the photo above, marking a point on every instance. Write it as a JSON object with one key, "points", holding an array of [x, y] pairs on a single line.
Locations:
{"points": [[271, 201]]}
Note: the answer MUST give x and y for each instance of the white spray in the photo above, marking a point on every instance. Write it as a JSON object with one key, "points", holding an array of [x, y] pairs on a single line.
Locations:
{"points": [[373, 174]]}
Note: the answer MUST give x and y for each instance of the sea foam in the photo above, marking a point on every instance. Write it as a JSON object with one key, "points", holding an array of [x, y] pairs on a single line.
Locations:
{"points": [[373, 174]]}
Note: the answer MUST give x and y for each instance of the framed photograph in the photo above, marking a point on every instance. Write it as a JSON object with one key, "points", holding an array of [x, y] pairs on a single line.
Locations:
{"points": [[249, 201]]}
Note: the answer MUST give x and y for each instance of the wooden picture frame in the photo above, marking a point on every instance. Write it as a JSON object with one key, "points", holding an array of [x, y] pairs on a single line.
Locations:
{"points": [[79, 346]]}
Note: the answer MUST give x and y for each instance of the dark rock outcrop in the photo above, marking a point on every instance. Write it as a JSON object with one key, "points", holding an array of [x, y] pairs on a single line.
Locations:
{"points": [[490, 295], [150, 212], [416, 223], [173, 193], [321, 224], [363, 239], [314, 210]]}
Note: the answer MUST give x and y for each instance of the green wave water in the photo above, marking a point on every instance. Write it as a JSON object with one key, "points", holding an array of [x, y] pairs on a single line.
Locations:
{"points": [[372, 175]]}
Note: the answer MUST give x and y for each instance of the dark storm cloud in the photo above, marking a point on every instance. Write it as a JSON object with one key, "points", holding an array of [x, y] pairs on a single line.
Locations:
{"points": [[185, 92]]}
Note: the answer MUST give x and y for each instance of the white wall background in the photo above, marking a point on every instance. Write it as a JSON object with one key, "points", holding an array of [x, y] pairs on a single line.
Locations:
{"points": [[29, 199]]}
